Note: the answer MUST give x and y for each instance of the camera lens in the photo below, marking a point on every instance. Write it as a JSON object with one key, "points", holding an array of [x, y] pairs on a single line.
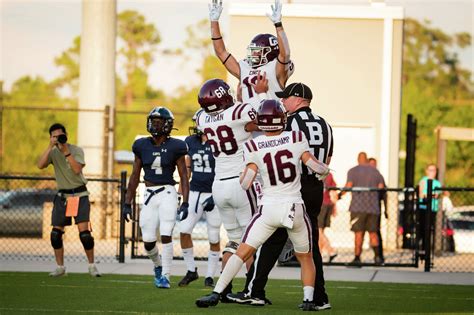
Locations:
{"points": [[62, 138]]}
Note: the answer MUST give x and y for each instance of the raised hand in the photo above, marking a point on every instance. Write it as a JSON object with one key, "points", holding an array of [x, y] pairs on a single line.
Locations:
{"points": [[275, 17], [261, 84], [215, 10]]}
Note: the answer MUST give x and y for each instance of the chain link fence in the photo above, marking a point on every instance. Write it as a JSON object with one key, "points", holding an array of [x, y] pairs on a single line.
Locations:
{"points": [[26, 205]]}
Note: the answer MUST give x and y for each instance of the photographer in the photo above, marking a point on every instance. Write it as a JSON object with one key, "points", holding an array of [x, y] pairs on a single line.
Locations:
{"points": [[72, 199]]}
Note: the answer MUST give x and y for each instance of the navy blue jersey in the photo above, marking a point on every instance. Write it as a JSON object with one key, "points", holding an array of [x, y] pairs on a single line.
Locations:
{"points": [[159, 162], [202, 164]]}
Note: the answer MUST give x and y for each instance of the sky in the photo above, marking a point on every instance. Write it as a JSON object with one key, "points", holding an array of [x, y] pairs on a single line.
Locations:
{"points": [[34, 32]]}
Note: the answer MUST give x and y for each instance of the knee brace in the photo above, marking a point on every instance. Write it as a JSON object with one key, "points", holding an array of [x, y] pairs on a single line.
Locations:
{"points": [[86, 239], [149, 245], [231, 247], [57, 238]]}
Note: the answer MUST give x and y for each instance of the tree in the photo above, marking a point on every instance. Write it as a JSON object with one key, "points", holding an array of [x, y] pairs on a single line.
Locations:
{"points": [[68, 61], [437, 90], [139, 42]]}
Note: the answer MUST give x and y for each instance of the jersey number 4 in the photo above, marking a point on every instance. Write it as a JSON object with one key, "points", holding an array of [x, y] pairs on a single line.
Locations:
{"points": [[156, 165], [286, 171]]}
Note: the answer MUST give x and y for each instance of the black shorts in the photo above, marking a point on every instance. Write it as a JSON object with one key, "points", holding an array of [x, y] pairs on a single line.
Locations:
{"points": [[58, 217], [324, 218], [362, 221]]}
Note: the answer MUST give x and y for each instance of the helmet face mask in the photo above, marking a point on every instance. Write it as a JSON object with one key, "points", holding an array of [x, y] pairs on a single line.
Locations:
{"points": [[215, 96], [194, 130], [262, 49], [271, 116], [160, 122]]}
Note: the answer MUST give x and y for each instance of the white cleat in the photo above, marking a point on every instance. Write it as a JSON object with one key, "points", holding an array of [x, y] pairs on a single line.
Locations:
{"points": [[58, 272], [94, 272]]}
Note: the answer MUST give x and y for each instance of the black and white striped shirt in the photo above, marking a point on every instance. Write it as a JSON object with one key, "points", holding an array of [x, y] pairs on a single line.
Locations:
{"points": [[317, 131]]}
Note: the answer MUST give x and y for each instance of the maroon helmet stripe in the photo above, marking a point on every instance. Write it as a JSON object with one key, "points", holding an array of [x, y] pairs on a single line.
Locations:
{"points": [[239, 115], [234, 113], [254, 146]]}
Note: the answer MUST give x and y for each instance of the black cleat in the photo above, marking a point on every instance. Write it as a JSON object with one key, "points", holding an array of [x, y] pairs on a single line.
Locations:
{"points": [[356, 262], [188, 278], [308, 306], [208, 300], [209, 282], [243, 298]]}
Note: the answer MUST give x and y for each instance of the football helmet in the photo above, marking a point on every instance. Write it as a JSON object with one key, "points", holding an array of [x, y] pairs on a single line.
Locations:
{"points": [[262, 49], [215, 96], [271, 116], [193, 130], [161, 128]]}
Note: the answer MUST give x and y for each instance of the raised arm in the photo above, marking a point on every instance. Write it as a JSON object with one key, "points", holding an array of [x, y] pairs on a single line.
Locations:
{"points": [[230, 63], [284, 65]]}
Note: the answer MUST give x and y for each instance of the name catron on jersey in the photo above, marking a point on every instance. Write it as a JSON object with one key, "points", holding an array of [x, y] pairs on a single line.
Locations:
{"points": [[278, 161], [226, 134]]}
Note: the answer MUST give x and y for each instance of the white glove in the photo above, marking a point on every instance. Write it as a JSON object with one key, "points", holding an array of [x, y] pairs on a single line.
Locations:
{"points": [[215, 10], [276, 12]]}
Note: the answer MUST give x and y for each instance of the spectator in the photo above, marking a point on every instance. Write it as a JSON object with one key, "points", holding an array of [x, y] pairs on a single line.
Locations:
{"points": [[430, 173], [365, 206], [72, 199], [382, 200], [328, 209]]}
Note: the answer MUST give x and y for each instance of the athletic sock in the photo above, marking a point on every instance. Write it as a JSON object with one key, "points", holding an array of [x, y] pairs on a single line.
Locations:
{"points": [[308, 293], [154, 256], [231, 269], [188, 255], [167, 258], [212, 263]]}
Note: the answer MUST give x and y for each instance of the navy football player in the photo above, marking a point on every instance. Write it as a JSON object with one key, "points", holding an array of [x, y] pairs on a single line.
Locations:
{"points": [[200, 164], [266, 54], [159, 156]]}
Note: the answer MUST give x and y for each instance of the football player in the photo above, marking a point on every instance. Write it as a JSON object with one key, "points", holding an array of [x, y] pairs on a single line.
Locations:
{"points": [[200, 164], [277, 155], [266, 54], [159, 156], [227, 125]]}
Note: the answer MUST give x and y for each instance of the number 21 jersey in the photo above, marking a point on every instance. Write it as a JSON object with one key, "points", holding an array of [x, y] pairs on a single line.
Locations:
{"points": [[226, 134]]}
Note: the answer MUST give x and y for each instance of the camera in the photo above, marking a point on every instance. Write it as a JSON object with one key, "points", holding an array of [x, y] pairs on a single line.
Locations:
{"points": [[62, 139]]}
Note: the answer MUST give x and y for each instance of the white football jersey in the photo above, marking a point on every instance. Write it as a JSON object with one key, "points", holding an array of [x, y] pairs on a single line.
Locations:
{"points": [[226, 134], [248, 75], [278, 161]]}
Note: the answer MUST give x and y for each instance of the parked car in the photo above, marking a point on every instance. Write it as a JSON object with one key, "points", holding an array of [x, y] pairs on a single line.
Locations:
{"points": [[463, 227], [21, 211]]}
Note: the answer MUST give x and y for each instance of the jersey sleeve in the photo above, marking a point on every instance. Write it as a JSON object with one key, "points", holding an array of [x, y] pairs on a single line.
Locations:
{"points": [[136, 148], [250, 152], [331, 147], [300, 141], [79, 155], [188, 142], [246, 112], [182, 148]]}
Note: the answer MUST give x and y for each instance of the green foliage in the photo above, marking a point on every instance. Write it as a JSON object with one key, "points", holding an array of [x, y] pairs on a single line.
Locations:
{"points": [[438, 92], [68, 61]]}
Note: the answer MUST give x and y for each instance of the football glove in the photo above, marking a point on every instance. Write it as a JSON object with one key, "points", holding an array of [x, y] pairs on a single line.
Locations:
{"points": [[127, 212], [208, 204], [275, 17], [183, 211], [215, 10]]}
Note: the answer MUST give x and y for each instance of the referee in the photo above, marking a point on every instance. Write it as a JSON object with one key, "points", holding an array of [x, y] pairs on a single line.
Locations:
{"points": [[296, 98]]}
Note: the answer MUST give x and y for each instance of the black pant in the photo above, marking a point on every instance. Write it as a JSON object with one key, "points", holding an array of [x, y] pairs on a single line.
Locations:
{"points": [[267, 255]]}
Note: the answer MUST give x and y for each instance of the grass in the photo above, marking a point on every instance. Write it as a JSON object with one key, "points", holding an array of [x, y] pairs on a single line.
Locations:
{"points": [[36, 293]]}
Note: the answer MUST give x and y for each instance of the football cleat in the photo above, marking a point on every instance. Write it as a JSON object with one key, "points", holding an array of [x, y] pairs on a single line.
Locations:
{"points": [[163, 283], [188, 278], [209, 282], [208, 300], [58, 272], [157, 270], [94, 272], [243, 298], [308, 306], [322, 307]]}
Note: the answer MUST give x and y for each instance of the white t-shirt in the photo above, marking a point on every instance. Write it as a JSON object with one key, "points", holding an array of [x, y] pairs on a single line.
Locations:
{"points": [[278, 161], [249, 75], [226, 134]]}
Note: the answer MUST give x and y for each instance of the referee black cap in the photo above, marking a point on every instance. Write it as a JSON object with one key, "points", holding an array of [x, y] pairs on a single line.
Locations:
{"points": [[296, 89]]}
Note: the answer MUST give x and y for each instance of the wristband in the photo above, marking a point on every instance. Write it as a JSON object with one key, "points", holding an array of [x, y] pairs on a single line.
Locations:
{"points": [[226, 59], [67, 155], [216, 38], [262, 96], [278, 24]]}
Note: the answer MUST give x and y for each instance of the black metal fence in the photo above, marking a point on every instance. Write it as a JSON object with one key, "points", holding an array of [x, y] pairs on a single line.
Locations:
{"points": [[26, 204], [25, 219]]}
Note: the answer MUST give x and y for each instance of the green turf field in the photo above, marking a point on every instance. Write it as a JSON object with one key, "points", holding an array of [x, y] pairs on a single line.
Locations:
{"points": [[36, 293]]}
